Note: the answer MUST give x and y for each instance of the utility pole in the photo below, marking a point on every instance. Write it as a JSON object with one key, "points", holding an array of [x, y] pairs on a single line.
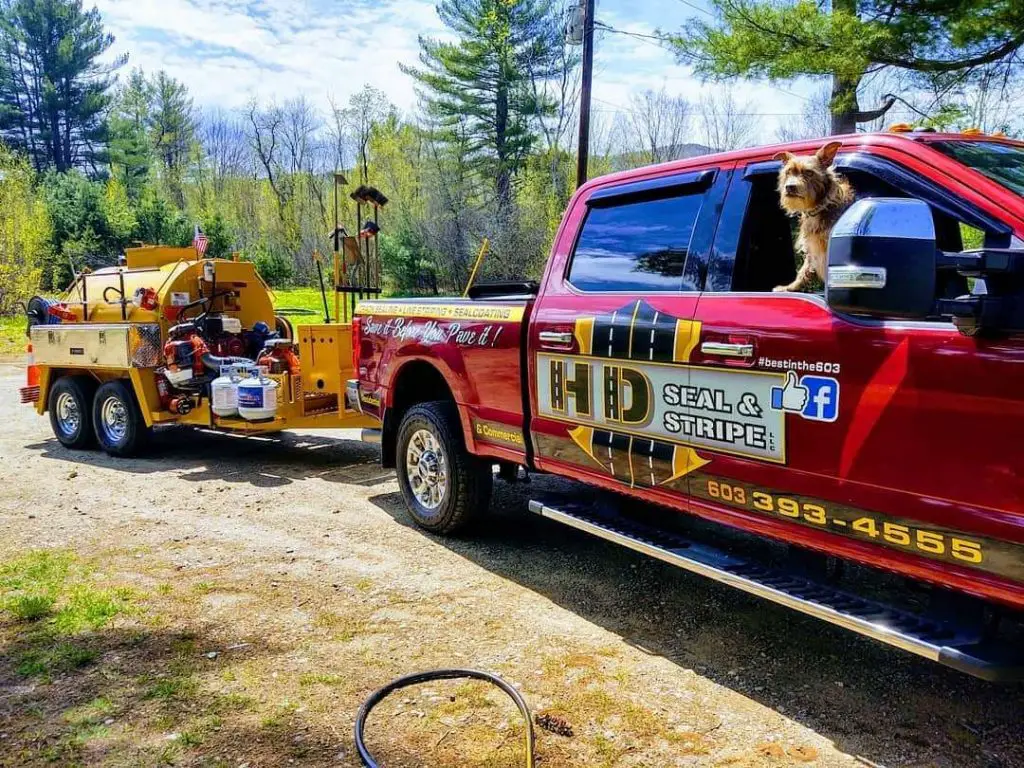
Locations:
{"points": [[586, 9]]}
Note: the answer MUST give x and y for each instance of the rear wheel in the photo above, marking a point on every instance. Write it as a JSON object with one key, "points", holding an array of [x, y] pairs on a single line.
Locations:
{"points": [[70, 407], [444, 486], [117, 419]]}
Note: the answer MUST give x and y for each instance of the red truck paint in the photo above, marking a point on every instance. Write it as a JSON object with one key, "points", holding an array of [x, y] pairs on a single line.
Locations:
{"points": [[929, 426]]}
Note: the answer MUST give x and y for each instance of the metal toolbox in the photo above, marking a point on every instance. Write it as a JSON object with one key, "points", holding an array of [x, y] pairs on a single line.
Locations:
{"points": [[114, 345]]}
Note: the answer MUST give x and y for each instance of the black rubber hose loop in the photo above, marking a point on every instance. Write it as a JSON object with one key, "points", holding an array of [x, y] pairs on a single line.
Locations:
{"points": [[439, 674]]}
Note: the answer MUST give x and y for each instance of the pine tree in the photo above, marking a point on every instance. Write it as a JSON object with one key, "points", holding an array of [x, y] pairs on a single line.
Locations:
{"points": [[482, 82], [54, 90], [848, 40], [172, 130], [130, 152]]}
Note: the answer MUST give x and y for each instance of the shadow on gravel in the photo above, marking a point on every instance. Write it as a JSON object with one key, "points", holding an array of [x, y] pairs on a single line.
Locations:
{"points": [[264, 461], [873, 701], [140, 697]]}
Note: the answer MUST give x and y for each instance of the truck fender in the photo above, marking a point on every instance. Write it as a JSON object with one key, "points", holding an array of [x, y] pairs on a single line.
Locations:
{"points": [[418, 379]]}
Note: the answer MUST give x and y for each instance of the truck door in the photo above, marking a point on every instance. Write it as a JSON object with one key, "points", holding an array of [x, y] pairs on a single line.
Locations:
{"points": [[613, 325], [847, 435]]}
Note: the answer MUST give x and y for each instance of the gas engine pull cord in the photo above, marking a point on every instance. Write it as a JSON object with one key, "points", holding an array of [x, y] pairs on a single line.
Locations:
{"points": [[439, 674]]}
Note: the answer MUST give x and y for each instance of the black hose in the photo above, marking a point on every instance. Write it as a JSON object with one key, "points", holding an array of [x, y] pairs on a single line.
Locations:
{"points": [[439, 674], [215, 363]]}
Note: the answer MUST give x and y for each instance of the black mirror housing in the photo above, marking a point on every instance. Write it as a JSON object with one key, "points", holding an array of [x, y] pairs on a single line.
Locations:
{"points": [[882, 259]]}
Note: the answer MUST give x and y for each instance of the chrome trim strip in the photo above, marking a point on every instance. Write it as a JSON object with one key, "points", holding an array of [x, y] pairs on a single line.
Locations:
{"points": [[824, 612], [850, 276], [555, 337], [722, 349]]}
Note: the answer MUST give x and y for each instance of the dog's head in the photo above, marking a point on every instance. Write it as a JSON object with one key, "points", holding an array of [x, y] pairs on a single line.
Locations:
{"points": [[806, 180]]}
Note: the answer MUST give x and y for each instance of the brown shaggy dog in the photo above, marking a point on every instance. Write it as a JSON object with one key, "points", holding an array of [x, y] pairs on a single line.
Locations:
{"points": [[810, 188]]}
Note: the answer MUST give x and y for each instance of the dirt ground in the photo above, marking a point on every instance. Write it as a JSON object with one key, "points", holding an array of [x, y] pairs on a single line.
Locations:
{"points": [[231, 602]]}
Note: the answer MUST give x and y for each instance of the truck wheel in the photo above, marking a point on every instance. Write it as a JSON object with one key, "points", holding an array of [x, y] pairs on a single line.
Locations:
{"points": [[445, 487], [70, 407], [117, 419]]}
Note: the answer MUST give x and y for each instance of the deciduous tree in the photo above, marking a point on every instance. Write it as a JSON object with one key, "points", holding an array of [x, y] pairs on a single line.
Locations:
{"points": [[849, 40]]}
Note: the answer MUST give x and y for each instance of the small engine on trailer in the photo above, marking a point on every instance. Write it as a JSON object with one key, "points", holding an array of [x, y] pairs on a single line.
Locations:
{"points": [[195, 353]]}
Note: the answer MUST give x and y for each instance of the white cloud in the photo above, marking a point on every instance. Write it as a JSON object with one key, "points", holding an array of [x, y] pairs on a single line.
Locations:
{"points": [[227, 51]]}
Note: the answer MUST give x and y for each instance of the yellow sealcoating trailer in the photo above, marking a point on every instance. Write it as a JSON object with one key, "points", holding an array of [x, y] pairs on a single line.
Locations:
{"points": [[106, 357]]}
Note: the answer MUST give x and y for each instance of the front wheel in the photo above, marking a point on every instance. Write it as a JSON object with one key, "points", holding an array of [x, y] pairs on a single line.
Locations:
{"points": [[117, 419], [445, 487]]}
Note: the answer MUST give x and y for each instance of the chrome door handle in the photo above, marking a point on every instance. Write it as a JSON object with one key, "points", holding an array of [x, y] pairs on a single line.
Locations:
{"points": [[721, 349], [555, 337]]}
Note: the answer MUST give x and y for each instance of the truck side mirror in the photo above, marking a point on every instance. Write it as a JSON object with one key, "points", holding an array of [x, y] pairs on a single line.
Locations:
{"points": [[882, 259]]}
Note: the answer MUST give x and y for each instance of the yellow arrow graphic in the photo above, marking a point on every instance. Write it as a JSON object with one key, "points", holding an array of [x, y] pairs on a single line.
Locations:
{"points": [[685, 461], [584, 438]]}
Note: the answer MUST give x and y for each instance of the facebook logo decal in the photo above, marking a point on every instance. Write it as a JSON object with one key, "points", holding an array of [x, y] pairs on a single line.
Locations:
{"points": [[813, 397], [822, 398]]}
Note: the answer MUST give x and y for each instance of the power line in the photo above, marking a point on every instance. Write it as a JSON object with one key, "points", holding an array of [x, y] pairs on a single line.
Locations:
{"points": [[696, 7], [638, 35], [645, 38]]}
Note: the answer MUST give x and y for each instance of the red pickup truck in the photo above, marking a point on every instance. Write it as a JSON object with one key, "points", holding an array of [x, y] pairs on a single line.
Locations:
{"points": [[879, 421]]}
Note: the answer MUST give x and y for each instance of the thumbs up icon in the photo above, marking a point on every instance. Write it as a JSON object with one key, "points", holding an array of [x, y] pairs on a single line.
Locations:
{"points": [[791, 397]]}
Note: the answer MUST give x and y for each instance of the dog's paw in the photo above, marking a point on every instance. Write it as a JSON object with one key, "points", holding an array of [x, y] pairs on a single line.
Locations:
{"points": [[780, 289]]}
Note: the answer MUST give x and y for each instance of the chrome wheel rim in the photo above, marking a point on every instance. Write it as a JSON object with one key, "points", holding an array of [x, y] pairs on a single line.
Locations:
{"points": [[426, 468], [114, 419], [69, 415]]}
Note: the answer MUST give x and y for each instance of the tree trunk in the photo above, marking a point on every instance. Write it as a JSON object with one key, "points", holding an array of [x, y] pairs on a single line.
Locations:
{"points": [[844, 106], [504, 181], [844, 91]]}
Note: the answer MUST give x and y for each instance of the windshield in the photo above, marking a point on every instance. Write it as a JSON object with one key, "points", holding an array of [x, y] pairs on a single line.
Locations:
{"points": [[1003, 163]]}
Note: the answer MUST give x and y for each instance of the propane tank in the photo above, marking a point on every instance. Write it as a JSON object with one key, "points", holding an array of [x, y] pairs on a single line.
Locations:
{"points": [[224, 392], [257, 397]]}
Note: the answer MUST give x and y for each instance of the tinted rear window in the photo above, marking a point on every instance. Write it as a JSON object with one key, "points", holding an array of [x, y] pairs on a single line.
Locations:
{"points": [[635, 246], [1003, 163]]}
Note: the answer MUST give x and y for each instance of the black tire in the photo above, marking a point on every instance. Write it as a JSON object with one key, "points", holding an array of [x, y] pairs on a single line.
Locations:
{"points": [[70, 406], [120, 430], [467, 487]]}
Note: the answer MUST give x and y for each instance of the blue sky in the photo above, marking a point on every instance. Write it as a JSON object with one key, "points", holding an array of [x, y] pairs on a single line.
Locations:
{"points": [[228, 51]]}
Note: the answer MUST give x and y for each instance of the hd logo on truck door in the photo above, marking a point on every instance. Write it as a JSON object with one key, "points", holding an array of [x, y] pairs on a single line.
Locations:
{"points": [[631, 380]]}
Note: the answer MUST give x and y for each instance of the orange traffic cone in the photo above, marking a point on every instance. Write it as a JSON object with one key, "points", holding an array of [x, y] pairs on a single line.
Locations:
{"points": [[30, 392]]}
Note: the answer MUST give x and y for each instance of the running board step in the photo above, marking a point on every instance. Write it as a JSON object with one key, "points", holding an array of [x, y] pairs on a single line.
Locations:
{"points": [[961, 648]]}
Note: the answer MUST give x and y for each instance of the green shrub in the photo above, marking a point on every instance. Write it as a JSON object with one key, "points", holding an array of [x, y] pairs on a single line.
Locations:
{"points": [[274, 266], [24, 232]]}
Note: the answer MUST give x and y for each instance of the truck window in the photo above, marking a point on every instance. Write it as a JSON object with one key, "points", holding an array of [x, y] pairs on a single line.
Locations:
{"points": [[766, 255], [635, 245]]}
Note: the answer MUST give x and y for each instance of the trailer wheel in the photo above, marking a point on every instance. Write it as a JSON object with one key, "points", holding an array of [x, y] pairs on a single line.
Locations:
{"points": [[117, 419], [70, 407], [445, 487]]}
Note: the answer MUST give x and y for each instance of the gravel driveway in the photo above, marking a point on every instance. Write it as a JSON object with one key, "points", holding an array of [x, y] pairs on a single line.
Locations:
{"points": [[268, 585]]}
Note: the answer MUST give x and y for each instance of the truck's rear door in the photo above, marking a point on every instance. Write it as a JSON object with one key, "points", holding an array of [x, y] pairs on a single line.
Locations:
{"points": [[612, 328]]}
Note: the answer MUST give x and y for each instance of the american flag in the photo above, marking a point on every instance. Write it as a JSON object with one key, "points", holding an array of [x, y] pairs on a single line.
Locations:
{"points": [[199, 242]]}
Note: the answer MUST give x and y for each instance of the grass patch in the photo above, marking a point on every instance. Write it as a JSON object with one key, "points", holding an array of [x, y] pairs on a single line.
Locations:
{"points": [[55, 606], [320, 678], [62, 657], [30, 607], [172, 688], [33, 581], [91, 712], [12, 336], [306, 300]]}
